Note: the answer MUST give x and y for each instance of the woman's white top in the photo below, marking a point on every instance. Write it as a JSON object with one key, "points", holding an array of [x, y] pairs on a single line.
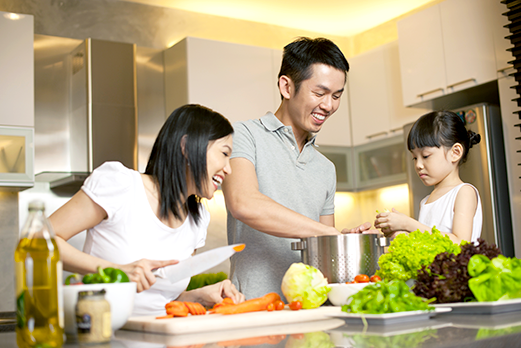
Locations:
{"points": [[440, 213], [132, 232]]}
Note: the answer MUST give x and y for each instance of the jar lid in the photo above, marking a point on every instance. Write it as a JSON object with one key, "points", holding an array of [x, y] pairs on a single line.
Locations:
{"points": [[91, 293]]}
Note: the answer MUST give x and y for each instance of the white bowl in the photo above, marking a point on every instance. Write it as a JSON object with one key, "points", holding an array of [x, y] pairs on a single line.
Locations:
{"points": [[119, 295], [340, 292]]}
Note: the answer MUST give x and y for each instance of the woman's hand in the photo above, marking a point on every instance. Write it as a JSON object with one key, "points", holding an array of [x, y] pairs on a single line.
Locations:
{"points": [[393, 221], [140, 272], [212, 294]]}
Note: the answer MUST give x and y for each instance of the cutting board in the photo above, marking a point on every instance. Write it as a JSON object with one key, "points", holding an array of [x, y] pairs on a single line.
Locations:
{"points": [[215, 322]]}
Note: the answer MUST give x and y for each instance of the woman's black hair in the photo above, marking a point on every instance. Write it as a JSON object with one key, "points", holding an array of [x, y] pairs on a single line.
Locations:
{"points": [[299, 56], [442, 128], [197, 125]]}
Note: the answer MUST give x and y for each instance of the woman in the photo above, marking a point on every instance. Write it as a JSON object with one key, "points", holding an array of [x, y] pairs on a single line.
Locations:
{"points": [[139, 222]]}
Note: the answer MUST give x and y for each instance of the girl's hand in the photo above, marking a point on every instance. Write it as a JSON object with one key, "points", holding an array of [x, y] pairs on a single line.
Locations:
{"points": [[392, 221], [140, 272], [212, 294]]}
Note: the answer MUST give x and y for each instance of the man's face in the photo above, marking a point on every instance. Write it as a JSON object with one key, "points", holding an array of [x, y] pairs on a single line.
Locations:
{"points": [[317, 99]]}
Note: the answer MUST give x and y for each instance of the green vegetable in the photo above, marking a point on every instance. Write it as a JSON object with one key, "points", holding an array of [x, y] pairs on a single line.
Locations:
{"points": [[107, 275], [200, 280], [21, 321], [306, 284], [407, 340], [386, 297], [74, 275], [496, 279], [409, 252]]}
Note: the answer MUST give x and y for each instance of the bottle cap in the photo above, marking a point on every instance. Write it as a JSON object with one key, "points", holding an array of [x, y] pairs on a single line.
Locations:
{"points": [[37, 205]]}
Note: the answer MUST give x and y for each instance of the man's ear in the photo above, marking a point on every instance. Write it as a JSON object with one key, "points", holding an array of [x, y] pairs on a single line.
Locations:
{"points": [[456, 152], [285, 86]]}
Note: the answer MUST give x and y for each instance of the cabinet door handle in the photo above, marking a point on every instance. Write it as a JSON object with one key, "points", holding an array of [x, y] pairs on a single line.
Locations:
{"points": [[459, 83], [429, 92], [399, 129], [375, 135], [505, 68]]}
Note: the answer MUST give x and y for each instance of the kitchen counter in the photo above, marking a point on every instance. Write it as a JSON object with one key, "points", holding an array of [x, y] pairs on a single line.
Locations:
{"points": [[444, 330]]}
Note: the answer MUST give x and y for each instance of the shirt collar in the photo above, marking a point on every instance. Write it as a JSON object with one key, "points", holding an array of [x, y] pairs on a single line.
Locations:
{"points": [[272, 123]]}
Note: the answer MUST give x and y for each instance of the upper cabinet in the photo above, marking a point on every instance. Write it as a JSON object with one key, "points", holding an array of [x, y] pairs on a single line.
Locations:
{"points": [[16, 70], [238, 81], [375, 95], [446, 48]]}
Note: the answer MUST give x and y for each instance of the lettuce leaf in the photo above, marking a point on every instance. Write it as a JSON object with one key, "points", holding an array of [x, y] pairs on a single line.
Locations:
{"points": [[409, 252]]}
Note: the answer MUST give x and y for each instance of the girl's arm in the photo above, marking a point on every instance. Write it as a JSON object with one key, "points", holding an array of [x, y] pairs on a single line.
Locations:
{"points": [[464, 210], [79, 214]]}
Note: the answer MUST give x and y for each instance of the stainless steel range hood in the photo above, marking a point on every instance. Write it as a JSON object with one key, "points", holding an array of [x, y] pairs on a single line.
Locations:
{"points": [[98, 122]]}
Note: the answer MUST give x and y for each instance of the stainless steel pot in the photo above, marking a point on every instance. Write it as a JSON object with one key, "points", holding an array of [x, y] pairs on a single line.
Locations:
{"points": [[340, 258]]}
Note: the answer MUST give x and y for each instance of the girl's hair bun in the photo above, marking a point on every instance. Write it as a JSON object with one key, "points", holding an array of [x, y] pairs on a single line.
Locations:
{"points": [[474, 138]]}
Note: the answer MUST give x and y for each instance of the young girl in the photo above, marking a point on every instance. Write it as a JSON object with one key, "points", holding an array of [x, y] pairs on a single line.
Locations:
{"points": [[439, 144]]}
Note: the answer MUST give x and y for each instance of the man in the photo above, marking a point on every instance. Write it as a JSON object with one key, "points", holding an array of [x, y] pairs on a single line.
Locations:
{"points": [[281, 187]]}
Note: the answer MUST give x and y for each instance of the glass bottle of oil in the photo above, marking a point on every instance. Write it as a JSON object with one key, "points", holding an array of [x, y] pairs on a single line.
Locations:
{"points": [[39, 300]]}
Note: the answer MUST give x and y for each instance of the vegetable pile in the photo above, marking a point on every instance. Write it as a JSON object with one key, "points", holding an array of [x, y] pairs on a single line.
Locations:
{"points": [[446, 279], [305, 284], [386, 297], [409, 252]]}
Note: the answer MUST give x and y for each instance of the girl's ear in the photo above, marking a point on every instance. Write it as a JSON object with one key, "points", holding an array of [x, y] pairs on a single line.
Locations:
{"points": [[285, 86], [456, 152]]}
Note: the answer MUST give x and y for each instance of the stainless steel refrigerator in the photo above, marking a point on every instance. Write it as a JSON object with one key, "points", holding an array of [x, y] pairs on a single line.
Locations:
{"points": [[485, 169]]}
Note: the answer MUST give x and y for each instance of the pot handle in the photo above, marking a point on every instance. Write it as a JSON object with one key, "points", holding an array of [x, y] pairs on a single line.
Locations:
{"points": [[298, 245], [384, 242]]}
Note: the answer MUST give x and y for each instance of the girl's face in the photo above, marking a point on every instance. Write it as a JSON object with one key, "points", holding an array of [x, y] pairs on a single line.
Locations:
{"points": [[433, 164], [218, 163]]}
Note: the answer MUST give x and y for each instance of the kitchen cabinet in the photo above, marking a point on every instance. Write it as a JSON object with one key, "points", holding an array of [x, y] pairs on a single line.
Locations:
{"points": [[375, 94], [501, 45], [446, 48], [239, 81], [512, 134], [16, 70]]}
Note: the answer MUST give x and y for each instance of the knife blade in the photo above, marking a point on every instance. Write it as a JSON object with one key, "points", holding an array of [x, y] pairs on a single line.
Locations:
{"points": [[197, 264]]}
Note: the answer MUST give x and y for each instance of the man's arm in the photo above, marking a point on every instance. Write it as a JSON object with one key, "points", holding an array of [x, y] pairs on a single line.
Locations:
{"points": [[247, 204]]}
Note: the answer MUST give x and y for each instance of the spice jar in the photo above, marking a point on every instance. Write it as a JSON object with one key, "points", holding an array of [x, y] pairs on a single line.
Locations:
{"points": [[93, 319]]}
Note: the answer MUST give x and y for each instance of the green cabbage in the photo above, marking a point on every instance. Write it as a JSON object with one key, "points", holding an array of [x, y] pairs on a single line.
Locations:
{"points": [[409, 252], [306, 284]]}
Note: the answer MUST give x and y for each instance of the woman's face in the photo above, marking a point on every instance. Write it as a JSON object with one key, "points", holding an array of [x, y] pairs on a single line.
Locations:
{"points": [[218, 163]]}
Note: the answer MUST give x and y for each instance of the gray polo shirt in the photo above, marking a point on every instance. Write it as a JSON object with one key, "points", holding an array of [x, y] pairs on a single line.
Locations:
{"points": [[301, 181]]}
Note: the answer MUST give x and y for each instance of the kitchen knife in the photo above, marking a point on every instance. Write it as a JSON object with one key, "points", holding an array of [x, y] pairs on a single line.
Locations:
{"points": [[197, 264]]}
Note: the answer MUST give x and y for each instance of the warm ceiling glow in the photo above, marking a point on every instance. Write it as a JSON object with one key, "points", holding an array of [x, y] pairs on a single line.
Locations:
{"points": [[335, 17]]}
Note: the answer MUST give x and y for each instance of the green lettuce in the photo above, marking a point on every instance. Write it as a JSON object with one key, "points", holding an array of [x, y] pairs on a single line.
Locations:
{"points": [[496, 279], [317, 339], [409, 252], [306, 284]]}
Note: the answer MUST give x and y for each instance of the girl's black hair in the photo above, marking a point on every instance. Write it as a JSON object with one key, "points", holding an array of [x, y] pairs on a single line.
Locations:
{"points": [[167, 164], [442, 128]]}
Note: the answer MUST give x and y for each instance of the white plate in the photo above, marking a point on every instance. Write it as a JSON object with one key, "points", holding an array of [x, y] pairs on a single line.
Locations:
{"points": [[493, 307], [389, 318]]}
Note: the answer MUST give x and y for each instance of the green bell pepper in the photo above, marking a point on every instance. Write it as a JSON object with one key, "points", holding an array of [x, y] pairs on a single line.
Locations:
{"points": [[107, 275]]}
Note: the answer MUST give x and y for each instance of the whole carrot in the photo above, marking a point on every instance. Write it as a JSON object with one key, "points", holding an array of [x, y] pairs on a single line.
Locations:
{"points": [[253, 305]]}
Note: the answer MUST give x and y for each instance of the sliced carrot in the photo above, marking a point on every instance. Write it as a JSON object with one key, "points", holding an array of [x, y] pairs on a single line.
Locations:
{"points": [[177, 308], [165, 316], [195, 308], [253, 305]]}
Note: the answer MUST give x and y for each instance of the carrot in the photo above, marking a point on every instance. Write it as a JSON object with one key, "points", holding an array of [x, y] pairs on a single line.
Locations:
{"points": [[253, 305], [176, 308], [195, 308], [165, 316], [226, 301]]}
